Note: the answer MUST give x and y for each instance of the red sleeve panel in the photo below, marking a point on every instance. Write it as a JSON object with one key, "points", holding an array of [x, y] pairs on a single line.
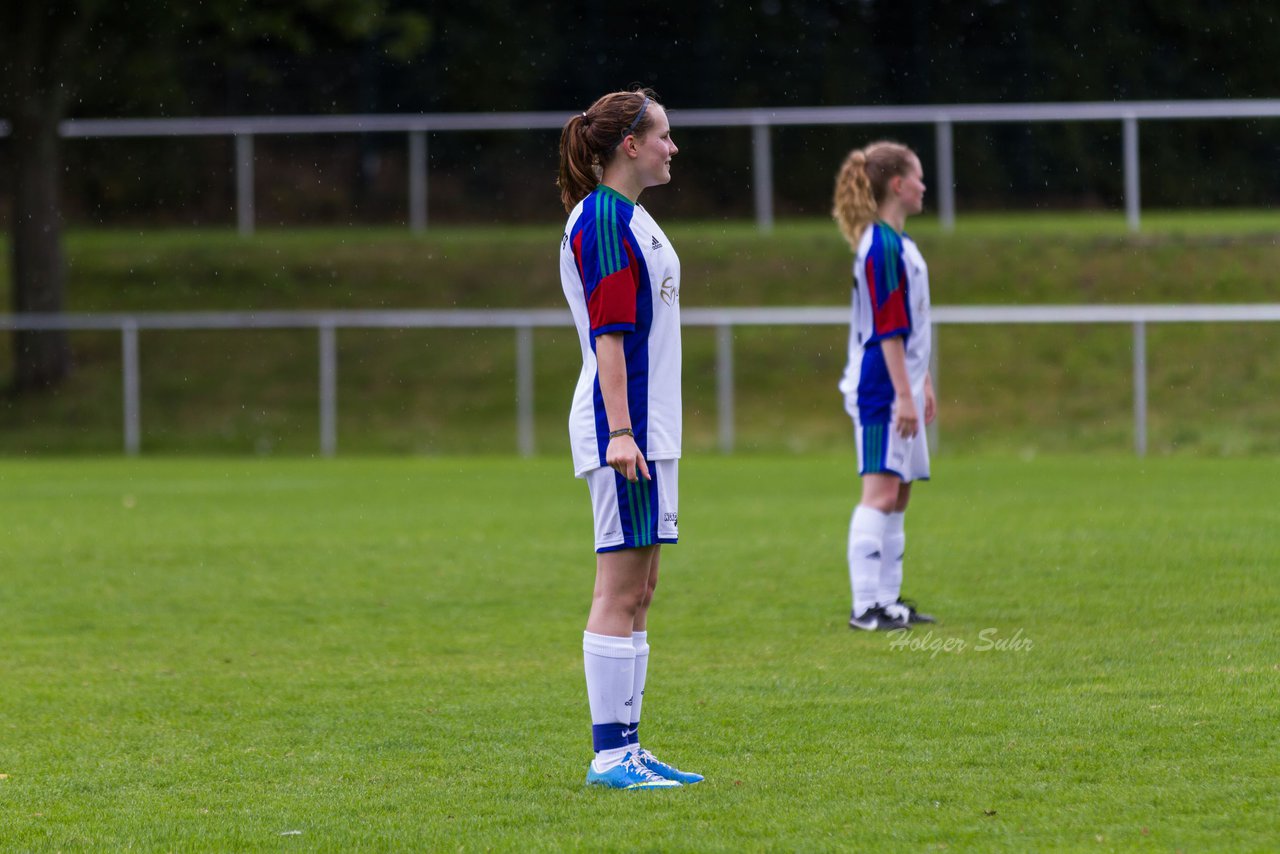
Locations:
{"points": [[611, 273], [887, 285], [612, 303]]}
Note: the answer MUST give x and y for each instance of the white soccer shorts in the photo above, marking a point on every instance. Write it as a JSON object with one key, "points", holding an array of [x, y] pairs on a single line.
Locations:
{"points": [[882, 450], [631, 515]]}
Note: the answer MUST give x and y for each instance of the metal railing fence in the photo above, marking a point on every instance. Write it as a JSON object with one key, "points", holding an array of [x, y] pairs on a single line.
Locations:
{"points": [[760, 121], [524, 321]]}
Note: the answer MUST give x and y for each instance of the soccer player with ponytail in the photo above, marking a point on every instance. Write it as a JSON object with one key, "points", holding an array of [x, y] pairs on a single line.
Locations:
{"points": [[621, 278], [886, 385]]}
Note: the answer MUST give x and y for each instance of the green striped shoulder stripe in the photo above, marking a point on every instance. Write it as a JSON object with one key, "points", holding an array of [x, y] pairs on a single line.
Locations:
{"points": [[610, 254], [892, 244]]}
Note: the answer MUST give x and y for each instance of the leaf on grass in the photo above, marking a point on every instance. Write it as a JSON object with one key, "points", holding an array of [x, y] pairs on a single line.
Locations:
{"points": [[988, 812]]}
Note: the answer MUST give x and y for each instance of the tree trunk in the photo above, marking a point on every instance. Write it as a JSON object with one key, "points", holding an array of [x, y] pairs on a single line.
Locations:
{"points": [[41, 42], [42, 358]]}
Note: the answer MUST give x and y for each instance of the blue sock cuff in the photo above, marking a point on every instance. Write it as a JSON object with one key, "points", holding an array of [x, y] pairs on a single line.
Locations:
{"points": [[633, 734], [609, 736]]}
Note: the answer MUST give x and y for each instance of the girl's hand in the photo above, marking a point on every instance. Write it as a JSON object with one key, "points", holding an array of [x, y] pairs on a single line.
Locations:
{"points": [[905, 417], [624, 457]]}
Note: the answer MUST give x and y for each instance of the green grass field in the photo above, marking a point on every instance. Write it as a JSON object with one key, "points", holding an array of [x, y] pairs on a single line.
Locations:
{"points": [[384, 654]]}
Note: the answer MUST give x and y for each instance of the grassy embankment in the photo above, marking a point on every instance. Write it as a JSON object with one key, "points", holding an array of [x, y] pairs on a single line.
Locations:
{"points": [[1024, 389]]}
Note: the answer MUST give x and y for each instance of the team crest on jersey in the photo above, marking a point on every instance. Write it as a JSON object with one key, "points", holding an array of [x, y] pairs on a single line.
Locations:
{"points": [[670, 293]]}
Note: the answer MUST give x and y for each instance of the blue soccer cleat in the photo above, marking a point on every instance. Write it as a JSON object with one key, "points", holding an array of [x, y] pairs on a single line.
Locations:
{"points": [[668, 772], [630, 774]]}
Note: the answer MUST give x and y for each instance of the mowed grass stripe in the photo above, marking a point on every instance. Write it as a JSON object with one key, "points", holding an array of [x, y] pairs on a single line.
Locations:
{"points": [[204, 655]]}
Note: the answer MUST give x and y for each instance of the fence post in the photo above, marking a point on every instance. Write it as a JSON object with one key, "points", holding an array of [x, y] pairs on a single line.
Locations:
{"points": [[131, 382], [762, 176], [524, 391], [1140, 387], [1132, 183], [328, 390], [244, 183], [724, 385], [946, 175], [418, 181]]}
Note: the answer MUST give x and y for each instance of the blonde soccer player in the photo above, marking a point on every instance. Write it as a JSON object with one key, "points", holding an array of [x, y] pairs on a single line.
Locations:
{"points": [[886, 384]]}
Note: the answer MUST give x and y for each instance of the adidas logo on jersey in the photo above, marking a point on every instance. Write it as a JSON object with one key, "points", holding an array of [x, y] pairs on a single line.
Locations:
{"points": [[656, 244]]}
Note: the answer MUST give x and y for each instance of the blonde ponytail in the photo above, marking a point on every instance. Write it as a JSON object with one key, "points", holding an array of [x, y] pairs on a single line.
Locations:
{"points": [[861, 185], [854, 205]]}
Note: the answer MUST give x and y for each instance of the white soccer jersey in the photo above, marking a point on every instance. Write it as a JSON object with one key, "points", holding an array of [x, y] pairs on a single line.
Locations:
{"points": [[621, 274], [890, 298]]}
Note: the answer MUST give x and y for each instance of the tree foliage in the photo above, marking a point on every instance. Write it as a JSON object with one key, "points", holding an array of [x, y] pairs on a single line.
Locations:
{"points": [[62, 56]]}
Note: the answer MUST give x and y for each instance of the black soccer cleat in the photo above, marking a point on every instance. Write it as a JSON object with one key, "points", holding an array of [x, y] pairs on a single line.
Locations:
{"points": [[905, 609], [876, 619]]}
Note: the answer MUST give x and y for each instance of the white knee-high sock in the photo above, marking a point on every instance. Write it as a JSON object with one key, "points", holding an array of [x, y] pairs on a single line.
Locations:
{"points": [[866, 545], [610, 665], [895, 544], [640, 640]]}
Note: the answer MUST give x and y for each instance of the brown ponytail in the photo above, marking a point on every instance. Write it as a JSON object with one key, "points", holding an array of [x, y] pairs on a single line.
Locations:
{"points": [[589, 140], [861, 185]]}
